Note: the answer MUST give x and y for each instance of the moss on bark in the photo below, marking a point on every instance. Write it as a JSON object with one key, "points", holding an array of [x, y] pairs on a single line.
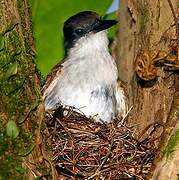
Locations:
{"points": [[19, 87]]}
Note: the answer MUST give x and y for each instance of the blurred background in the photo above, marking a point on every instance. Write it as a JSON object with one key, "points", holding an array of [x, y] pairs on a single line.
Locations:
{"points": [[48, 18]]}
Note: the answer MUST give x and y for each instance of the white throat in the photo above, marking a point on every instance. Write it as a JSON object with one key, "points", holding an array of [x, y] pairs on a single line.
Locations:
{"points": [[91, 58], [89, 44]]}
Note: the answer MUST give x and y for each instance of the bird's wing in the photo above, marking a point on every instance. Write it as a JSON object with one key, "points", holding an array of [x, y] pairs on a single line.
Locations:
{"points": [[51, 77]]}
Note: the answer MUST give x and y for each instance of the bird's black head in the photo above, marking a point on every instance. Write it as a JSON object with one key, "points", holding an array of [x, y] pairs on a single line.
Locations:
{"points": [[83, 23]]}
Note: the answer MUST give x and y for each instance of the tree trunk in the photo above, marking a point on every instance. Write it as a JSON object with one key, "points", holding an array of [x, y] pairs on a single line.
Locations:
{"points": [[146, 28], [19, 91]]}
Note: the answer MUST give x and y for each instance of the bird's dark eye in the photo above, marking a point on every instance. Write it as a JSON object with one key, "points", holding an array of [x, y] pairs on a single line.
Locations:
{"points": [[79, 31]]}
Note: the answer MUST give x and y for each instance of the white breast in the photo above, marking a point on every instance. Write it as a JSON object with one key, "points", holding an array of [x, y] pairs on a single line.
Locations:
{"points": [[88, 80]]}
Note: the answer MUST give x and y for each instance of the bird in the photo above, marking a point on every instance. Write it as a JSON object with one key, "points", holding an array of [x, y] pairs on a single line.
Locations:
{"points": [[87, 77]]}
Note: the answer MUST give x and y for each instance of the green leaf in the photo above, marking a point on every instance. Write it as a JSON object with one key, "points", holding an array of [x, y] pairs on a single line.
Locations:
{"points": [[113, 30], [12, 70], [28, 150], [12, 129], [172, 145], [1, 43], [21, 170], [32, 107], [48, 19]]}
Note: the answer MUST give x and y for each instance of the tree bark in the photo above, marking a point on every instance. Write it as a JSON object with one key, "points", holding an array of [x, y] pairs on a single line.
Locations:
{"points": [[146, 25], [149, 26], [20, 94]]}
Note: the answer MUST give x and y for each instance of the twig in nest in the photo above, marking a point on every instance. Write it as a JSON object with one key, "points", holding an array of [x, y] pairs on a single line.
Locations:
{"points": [[66, 130], [122, 121], [97, 173]]}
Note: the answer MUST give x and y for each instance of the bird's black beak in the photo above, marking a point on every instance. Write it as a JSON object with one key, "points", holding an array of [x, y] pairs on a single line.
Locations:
{"points": [[104, 24]]}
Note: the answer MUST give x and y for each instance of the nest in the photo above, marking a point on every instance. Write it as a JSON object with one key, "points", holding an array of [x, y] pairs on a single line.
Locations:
{"points": [[85, 149]]}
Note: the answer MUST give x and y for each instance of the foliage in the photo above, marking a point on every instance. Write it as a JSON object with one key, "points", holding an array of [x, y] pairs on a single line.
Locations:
{"points": [[172, 144], [19, 89], [112, 31], [11, 153], [12, 129]]}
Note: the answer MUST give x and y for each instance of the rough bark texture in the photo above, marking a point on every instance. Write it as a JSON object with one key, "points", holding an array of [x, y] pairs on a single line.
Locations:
{"points": [[19, 89], [149, 26]]}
